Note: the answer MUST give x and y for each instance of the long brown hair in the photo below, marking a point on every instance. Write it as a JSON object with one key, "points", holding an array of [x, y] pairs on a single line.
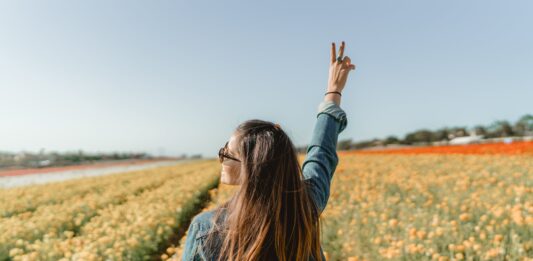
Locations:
{"points": [[271, 216]]}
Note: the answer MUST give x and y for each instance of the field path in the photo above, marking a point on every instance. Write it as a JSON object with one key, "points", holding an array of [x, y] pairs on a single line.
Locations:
{"points": [[19, 178]]}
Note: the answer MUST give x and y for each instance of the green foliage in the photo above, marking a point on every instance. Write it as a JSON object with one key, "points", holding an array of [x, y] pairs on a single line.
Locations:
{"points": [[42, 159], [500, 128]]}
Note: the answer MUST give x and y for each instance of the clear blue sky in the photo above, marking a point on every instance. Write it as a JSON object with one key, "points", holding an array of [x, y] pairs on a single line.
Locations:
{"points": [[177, 77]]}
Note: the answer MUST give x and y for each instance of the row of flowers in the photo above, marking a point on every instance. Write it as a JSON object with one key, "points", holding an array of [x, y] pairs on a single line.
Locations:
{"points": [[514, 148], [72, 228], [28, 198]]}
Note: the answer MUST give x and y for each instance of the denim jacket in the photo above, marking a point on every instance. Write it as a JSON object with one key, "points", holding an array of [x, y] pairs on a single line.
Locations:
{"points": [[318, 169]]}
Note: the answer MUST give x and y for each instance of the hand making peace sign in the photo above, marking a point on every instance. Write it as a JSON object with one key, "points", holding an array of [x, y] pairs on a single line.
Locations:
{"points": [[338, 69]]}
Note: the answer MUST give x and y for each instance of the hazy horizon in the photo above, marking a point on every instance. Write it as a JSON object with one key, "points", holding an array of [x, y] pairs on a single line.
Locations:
{"points": [[172, 78]]}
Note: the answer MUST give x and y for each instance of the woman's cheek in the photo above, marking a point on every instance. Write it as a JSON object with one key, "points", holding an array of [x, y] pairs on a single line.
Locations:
{"points": [[233, 174], [224, 176]]}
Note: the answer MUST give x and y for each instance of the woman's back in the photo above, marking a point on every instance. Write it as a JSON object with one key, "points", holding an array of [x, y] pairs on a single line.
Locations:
{"points": [[318, 169], [271, 212]]}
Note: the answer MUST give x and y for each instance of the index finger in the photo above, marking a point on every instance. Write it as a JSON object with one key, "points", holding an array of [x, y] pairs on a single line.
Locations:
{"points": [[333, 51]]}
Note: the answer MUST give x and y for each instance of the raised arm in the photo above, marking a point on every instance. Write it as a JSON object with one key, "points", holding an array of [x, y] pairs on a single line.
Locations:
{"points": [[321, 159]]}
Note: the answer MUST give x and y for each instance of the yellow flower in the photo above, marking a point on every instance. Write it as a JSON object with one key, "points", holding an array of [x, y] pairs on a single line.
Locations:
{"points": [[464, 217], [498, 238], [421, 234], [171, 250]]}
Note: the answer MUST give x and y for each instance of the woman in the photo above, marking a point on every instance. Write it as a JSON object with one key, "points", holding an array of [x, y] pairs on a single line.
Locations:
{"points": [[275, 213]]}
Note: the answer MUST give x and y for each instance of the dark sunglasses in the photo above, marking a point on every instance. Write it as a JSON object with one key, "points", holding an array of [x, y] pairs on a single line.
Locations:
{"points": [[222, 154]]}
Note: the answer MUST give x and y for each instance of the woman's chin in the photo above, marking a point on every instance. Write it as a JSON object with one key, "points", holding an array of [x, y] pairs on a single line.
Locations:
{"points": [[223, 180]]}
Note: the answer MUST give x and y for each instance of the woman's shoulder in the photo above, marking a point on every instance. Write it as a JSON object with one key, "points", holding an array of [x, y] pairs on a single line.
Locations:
{"points": [[204, 221], [206, 217], [203, 217]]}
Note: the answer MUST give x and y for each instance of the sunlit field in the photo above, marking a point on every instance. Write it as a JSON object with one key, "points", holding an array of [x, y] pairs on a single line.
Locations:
{"points": [[397, 206], [430, 207], [435, 205], [120, 217]]}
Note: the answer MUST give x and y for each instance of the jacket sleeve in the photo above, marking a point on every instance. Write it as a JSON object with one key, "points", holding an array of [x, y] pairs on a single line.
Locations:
{"points": [[189, 251], [321, 159]]}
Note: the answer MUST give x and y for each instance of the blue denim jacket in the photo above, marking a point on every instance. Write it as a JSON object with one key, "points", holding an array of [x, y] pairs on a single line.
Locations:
{"points": [[318, 169]]}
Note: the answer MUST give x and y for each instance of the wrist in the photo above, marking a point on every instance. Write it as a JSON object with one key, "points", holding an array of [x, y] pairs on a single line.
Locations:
{"points": [[334, 97]]}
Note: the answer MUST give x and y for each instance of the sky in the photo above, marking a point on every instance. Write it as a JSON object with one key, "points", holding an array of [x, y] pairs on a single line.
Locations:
{"points": [[177, 77]]}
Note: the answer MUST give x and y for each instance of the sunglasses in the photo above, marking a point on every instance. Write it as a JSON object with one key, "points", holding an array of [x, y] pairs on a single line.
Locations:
{"points": [[222, 154]]}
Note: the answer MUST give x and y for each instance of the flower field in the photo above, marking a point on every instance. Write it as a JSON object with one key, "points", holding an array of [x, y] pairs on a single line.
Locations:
{"points": [[430, 207], [425, 207], [383, 206], [121, 217]]}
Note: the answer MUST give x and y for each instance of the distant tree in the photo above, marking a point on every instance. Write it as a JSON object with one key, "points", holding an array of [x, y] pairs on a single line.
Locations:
{"points": [[480, 130], [507, 129], [409, 138], [344, 144], [196, 156], [418, 136], [378, 142], [301, 149], [440, 134], [457, 132], [362, 144], [524, 126], [391, 140], [500, 128]]}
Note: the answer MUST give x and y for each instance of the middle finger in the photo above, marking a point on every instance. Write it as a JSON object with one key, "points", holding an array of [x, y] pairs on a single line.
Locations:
{"points": [[341, 51]]}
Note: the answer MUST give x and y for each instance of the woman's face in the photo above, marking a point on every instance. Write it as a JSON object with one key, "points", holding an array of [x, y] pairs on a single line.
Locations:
{"points": [[231, 168]]}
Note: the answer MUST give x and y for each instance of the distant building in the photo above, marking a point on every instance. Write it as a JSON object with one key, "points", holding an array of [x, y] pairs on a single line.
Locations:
{"points": [[473, 138]]}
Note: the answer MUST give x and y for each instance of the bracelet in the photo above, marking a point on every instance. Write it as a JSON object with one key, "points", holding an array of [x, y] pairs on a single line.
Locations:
{"points": [[333, 92]]}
